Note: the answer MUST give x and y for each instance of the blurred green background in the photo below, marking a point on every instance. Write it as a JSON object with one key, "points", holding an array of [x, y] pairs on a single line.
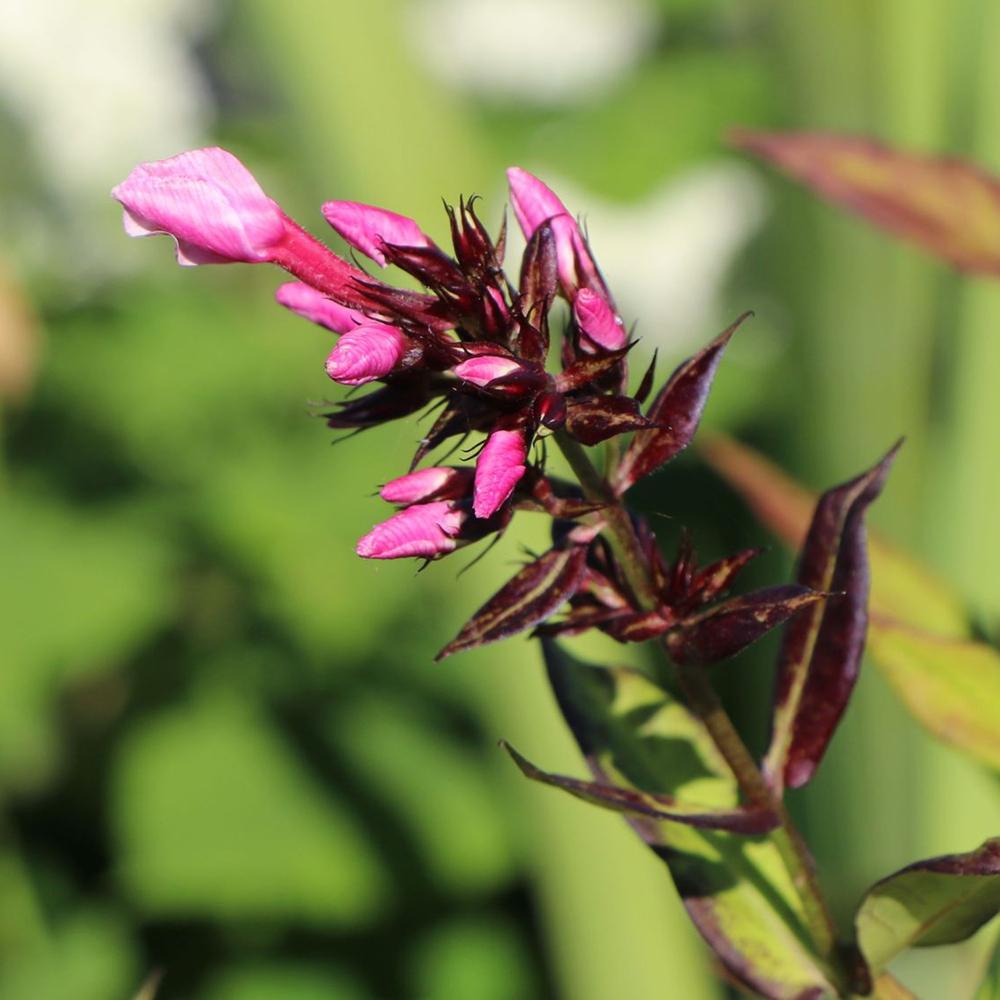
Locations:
{"points": [[225, 752]]}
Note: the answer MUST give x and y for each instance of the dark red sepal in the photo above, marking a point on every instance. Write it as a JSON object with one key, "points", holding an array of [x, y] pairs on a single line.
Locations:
{"points": [[591, 421]]}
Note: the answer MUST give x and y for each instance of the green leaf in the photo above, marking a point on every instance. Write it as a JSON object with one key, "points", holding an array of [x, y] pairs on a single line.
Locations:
{"points": [[938, 901], [952, 686], [989, 988], [214, 817], [735, 888]]}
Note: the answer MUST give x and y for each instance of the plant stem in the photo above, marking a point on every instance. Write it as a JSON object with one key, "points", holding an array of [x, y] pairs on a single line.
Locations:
{"points": [[705, 704]]}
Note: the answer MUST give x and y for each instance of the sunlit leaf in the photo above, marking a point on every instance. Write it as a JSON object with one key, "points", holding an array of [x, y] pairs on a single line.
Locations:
{"points": [[948, 206], [727, 628], [952, 686], [821, 651], [735, 889], [938, 901], [594, 420], [740, 819], [531, 596], [677, 408]]}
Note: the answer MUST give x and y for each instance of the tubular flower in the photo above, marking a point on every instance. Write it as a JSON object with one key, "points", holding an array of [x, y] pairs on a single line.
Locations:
{"points": [[498, 470], [598, 321], [427, 530], [318, 308], [366, 228], [433, 483], [209, 202], [365, 354]]}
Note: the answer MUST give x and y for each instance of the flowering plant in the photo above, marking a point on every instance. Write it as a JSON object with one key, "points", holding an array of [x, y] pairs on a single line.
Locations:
{"points": [[475, 347]]}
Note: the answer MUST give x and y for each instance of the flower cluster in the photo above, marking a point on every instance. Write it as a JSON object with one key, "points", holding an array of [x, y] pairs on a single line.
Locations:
{"points": [[475, 344]]}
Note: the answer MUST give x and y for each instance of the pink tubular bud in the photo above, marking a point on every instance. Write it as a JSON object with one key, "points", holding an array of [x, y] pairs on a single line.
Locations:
{"points": [[498, 470], [366, 353], [598, 320], [317, 308], [426, 530], [484, 369], [437, 482], [366, 228], [208, 202], [533, 202]]}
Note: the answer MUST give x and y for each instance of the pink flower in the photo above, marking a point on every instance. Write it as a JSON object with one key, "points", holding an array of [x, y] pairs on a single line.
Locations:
{"points": [[366, 353], [498, 470], [598, 320], [484, 369], [426, 530], [208, 202], [436, 481], [318, 308], [535, 203], [366, 228]]}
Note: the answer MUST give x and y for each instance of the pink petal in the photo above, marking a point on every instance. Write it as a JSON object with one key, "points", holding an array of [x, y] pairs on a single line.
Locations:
{"points": [[426, 530], [366, 353], [425, 483], [366, 227], [208, 201], [317, 308], [598, 320], [498, 469], [533, 201], [484, 369]]}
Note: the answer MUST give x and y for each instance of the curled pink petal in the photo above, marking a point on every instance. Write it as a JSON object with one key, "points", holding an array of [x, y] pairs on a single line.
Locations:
{"points": [[366, 353], [435, 481], [598, 320], [426, 530], [317, 308], [498, 469], [366, 228], [208, 202], [484, 369]]}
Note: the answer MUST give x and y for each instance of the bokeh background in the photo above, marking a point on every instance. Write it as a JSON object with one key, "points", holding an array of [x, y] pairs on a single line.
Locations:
{"points": [[225, 752]]}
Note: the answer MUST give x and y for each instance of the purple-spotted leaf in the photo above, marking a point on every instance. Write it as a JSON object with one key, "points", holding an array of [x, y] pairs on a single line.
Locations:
{"points": [[821, 652], [938, 901], [919, 635], [738, 893], [529, 597], [677, 410], [741, 819], [727, 628], [594, 420], [947, 206]]}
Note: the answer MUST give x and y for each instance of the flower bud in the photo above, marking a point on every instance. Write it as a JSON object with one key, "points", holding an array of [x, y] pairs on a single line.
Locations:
{"points": [[498, 470], [598, 320], [318, 308], [208, 202], [426, 530], [366, 228], [366, 353], [486, 368], [436, 482]]}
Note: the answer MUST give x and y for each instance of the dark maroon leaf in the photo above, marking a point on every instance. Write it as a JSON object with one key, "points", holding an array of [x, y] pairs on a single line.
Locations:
{"points": [[539, 280], [398, 305], [821, 652], [741, 819], [677, 411], [724, 630], [637, 627], [716, 578], [589, 368], [646, 385], [400, 399], [462, 415], [581, 619], [429, 265], [531, 596], [591, 421]]}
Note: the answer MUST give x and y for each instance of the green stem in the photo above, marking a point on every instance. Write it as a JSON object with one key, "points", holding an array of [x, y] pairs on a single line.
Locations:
{"points": [[705, 704]]}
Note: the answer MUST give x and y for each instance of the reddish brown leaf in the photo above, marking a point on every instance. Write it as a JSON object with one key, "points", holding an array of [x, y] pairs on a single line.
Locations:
{"points": [[590, 367], [531, 596], [821, 652], [716, 578], [591, 421], [724, 630], [677, 411], [740, 819], [646, 385], [948, 206]]}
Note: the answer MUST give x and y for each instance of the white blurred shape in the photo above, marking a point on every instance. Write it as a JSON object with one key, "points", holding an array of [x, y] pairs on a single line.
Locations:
{"points": [[538, 51], [100, 85]]}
